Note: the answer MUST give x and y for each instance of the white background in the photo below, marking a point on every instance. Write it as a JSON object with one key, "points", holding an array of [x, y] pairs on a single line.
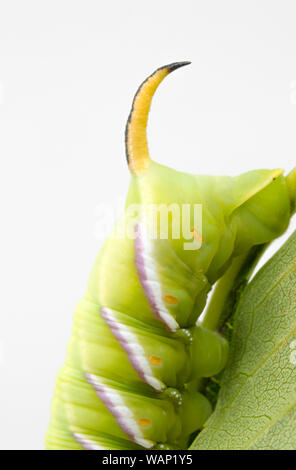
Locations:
{"points": [[68, 72]]}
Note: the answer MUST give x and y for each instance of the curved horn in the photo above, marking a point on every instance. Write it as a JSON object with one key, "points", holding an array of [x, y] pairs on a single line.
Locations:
{"points": [[135, 133]]}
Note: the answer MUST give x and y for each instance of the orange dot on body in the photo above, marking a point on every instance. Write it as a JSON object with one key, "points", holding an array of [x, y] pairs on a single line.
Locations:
{"points": [[170, 299], [155, 360], [144, 422], [197, 235]]}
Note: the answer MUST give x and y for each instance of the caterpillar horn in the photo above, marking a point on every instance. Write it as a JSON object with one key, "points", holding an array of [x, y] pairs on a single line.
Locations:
{"points": [[136, 146]]}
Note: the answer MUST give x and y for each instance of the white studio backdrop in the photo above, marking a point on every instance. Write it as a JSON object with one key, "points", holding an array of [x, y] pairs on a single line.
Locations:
{"points": [[68, 73]]}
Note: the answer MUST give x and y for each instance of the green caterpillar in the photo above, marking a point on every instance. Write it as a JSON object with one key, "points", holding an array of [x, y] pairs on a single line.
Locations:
{"points": [[136, 353]]}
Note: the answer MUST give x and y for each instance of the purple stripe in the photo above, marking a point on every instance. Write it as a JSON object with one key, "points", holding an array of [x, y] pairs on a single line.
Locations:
{"points": [[143, 277], [115, 328], [85, 444], [103, 395]]}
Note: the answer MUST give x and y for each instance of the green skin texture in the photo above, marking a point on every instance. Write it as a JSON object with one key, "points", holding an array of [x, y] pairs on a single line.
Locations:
{"points": [[237, 213]]}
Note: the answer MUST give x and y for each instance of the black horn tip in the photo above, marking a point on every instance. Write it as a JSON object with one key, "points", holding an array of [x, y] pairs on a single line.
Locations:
{"points": [[176, 65]]}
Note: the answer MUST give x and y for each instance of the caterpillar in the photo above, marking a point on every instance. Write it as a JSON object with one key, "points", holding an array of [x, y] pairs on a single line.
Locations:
{"points": [[137, 353]]}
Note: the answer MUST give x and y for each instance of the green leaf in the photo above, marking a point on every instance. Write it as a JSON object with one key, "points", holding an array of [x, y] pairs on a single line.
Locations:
{"points": [[256, 407]]}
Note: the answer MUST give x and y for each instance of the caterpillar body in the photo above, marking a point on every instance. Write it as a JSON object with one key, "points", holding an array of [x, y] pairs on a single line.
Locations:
{"points": [[136, 351]]}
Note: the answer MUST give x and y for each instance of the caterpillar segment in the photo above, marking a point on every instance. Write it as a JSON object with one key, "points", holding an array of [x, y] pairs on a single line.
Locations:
{"points": [[136, 350]]}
